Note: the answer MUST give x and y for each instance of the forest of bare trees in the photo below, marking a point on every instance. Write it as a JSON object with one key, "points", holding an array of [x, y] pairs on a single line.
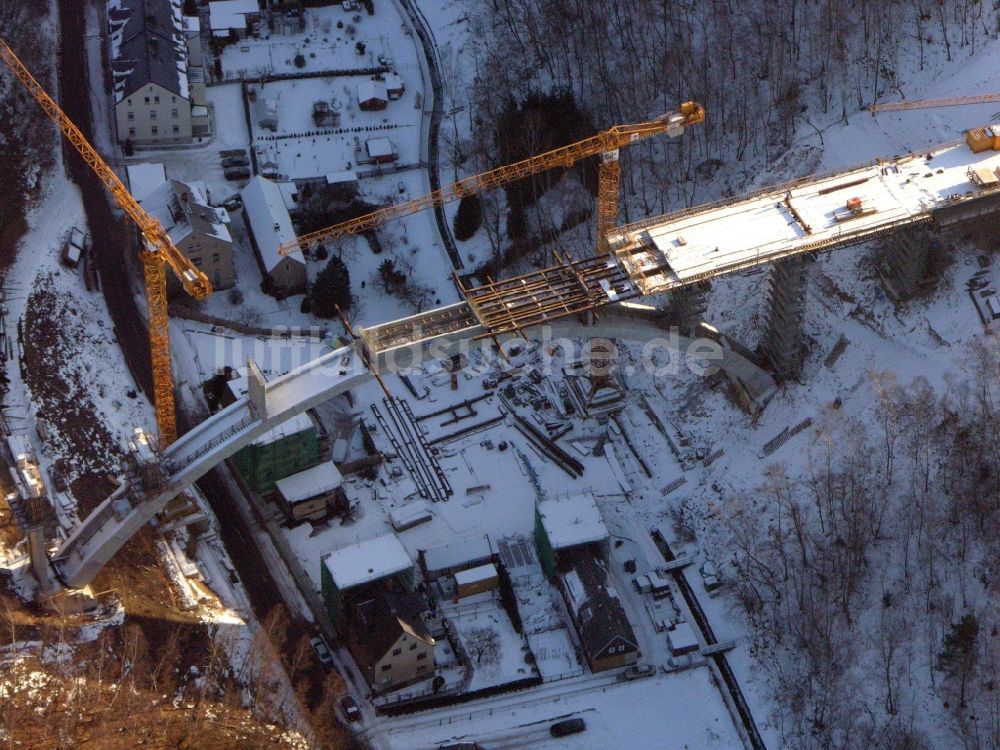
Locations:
{"points": [[762, 70], [160, 684], [870, 582], [25, 135]]}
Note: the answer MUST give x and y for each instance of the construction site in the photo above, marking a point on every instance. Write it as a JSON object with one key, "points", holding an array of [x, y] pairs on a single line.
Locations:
{"points": [[531, 505]]}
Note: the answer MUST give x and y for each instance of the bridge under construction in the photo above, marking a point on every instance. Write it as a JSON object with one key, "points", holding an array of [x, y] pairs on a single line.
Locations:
{"points": [[949, 184]]}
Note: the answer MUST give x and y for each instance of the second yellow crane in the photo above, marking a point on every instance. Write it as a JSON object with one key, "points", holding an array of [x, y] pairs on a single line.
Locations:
{"points": [[159, 251], [606, 144]]}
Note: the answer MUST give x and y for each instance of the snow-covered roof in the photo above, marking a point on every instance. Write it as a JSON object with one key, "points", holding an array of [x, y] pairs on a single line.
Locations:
{"points": [[289, 194], [457, 553], [570, 521], [344, 175], [372, 90], [269, 221], [682, 638], [182, 208], [409, 515], [148, 45], [367, 561], [378, 147], [475, 575], [144, 178], [318, 480], [224, 15], [393, 82]]}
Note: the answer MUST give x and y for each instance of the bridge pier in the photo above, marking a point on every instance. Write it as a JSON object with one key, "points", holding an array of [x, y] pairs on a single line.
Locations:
{"points": [[686, 307], [905, 257], [782, 344]]}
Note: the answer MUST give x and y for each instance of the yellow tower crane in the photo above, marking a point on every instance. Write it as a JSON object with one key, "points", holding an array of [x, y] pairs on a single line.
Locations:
{"points": [[159, 251], [606, 143]]}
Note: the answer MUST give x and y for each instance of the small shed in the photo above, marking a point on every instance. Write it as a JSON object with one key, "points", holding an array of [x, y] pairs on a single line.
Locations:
{"points": [[408, 516], [448, 559], [309, 494], [476, 580], [682, 639], [380, 150], [372, 95], [984, 177], [345, 180], [394, 85]]}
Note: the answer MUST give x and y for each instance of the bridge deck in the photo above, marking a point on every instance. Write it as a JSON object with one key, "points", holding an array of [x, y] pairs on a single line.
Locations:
{"points": [[804, 216]]}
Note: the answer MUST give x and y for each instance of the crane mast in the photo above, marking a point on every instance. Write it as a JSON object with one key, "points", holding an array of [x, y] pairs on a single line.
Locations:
{"points": [[159, 250], [606, 143]]}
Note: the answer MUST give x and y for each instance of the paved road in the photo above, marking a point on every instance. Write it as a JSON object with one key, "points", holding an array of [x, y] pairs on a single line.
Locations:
{"points": [[417, 21], [114, 245]]}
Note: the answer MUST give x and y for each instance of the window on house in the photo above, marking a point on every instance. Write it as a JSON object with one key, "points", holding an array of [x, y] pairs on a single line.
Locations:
{"points": [[131, 131], [176, 130], [156, 99], [196, 261], [413, 647], [147, 100], [173, 100], [397, 651], [421, 657], [131, 116], [154, 130], [215, 257], [152, 114], [129, 102], [421, 667], [386, 667], [173, 113]]}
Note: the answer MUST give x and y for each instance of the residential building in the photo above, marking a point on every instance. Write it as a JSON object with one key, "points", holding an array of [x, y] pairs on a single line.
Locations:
{"points": [[198, 230], [394, 86], [601, 624], [144, 178], [567, 524], [309, 494], [372, 95], [380, 151], [269, 225], [233, 17], [289, 448], [346, 572], [151, 74], [389, 640]]}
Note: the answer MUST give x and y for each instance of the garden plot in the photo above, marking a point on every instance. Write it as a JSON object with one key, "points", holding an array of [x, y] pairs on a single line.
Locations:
{"points": [[322, 46], [299, 148], [496, 653]]}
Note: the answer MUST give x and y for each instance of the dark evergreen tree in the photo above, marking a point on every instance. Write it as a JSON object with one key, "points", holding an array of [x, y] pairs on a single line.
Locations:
{"points": [[331, 289], [469, 217]]}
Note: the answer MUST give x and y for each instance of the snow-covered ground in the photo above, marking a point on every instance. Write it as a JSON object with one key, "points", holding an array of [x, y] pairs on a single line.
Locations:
{"points": [[677, 711]]}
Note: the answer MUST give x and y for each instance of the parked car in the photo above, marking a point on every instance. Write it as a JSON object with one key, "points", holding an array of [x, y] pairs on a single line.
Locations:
{"points": [[637, 672], [567, 727], [323, 652], [351, 710], [237, 173], [236, 161]]}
